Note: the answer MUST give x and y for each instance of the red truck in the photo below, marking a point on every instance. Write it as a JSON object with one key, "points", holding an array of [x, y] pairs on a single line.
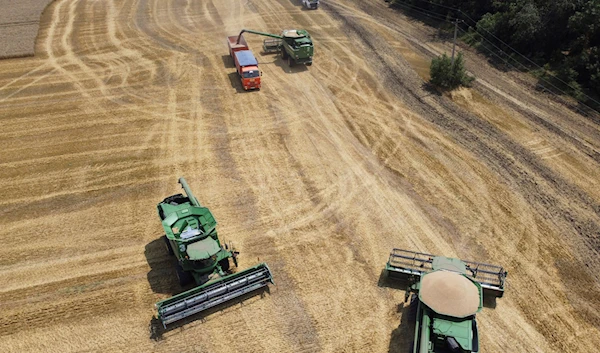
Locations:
{"points": [[245, 62]]}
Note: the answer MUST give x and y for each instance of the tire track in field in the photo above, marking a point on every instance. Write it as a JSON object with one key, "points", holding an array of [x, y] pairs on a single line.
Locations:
{"points": [[488, 144]]}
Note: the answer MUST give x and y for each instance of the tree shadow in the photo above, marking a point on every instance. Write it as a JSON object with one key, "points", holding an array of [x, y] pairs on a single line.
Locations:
{"points": [[570, 98], [431, 90], [157, 329]]}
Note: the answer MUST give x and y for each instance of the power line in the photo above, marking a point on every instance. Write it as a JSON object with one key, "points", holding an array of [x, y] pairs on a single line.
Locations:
{"points": [[525, 72], [475, 29], [440, 5], [421, 10], [526, 58]]}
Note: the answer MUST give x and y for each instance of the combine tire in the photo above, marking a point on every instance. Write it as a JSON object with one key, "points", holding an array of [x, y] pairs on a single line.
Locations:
{"points": [[284, 54], [184, 278], [168, 245], [224, 264], [290, 61]]}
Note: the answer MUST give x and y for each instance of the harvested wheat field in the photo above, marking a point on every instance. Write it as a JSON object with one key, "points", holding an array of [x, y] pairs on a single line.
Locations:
{"points": [[320, 174]]}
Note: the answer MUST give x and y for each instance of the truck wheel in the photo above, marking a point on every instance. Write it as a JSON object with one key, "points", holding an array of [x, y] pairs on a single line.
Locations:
{"points": [[168, 245], [184, 278], [224, 264]]}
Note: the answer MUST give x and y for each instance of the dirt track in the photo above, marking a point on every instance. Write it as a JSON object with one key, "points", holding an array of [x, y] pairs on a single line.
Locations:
{"points": [[320, 174], [19, 24]]}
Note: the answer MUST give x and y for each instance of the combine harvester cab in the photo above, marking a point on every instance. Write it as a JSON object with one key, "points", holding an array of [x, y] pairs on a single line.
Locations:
{"points": [[449, 293], [311, 4], [191, 236], [297, 47]]}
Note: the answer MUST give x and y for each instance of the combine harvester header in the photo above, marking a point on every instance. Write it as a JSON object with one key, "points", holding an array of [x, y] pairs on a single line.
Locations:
{"points": [[410, 266], [191, 236]]}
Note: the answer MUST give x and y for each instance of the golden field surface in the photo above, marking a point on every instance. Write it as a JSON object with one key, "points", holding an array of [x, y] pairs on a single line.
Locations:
{"points": [[320, 174]]}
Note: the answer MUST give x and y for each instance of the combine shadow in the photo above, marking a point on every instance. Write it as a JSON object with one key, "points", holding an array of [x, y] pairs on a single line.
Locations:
{"points": [[279, 62], [162, 277], [387, 282], [402, 337], [157, 329], [489, 301]]}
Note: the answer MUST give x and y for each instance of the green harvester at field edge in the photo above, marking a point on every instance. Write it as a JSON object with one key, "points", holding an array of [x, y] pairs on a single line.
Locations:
{"points": [[295, 45], [191, 236], [448, 294]]}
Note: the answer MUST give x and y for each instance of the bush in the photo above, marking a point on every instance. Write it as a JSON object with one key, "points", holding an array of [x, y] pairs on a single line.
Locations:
{"points": [[446, 75]]}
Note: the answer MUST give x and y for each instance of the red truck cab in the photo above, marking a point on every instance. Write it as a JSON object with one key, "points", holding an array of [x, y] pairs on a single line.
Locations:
{"points": [[245, 62]]}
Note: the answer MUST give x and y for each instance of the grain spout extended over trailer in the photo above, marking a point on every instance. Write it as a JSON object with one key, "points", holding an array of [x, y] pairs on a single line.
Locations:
{"points": [[295, 45]]}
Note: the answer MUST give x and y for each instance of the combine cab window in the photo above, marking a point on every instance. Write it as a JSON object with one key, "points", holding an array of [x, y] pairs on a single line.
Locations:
{"points": [[250, 74]]}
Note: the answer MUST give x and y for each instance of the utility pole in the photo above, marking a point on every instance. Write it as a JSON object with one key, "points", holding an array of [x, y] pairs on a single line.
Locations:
{"points": [[454, 43]]}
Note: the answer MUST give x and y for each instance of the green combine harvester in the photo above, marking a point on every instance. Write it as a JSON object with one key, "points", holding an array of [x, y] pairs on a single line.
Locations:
{"points": [[295, 45], [448, 294], [191, 236]]}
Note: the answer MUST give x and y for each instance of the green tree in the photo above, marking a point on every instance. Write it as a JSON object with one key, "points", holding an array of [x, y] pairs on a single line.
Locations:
{"points": [[525, 24], [584, 53], [446, 75]]}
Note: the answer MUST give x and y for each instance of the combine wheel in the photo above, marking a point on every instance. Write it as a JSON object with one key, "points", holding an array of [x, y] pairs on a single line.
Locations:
{"points": [[284, 54], [168, 245], [290, 61], [224, 264], [184, 278]]}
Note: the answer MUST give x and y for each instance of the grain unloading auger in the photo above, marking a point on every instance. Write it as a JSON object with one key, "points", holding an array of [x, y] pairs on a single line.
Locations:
{"points": [[191, 236], [449, 292], [295, 45]]}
